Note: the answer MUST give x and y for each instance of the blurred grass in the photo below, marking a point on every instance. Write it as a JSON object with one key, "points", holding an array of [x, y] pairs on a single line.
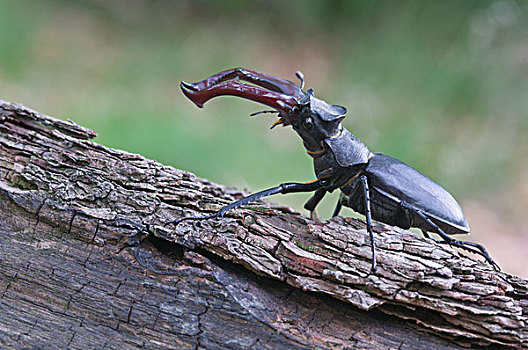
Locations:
{"points": [[441, 85]]}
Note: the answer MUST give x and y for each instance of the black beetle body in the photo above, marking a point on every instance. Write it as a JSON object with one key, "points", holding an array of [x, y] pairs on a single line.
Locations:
{"points": [[373, 184]]}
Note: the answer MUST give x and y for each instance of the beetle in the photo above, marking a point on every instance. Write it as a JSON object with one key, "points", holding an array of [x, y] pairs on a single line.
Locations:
{"points": [[373, 184]]}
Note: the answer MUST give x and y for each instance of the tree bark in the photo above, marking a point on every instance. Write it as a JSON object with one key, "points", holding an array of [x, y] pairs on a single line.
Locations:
{"points": [[85, 262]]}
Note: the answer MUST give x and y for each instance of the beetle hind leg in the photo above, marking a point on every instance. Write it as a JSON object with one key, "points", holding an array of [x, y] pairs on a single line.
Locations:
{"points": [[471, 247], [426, 235], [481, 250]]}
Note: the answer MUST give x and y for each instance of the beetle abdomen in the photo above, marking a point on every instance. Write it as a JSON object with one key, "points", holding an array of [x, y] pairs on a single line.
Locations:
{"points": [[392, 181], [405, 183]]}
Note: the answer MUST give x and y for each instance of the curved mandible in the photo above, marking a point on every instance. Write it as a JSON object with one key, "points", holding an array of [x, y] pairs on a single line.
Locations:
{"points": [[281, 102], [261, 79]]}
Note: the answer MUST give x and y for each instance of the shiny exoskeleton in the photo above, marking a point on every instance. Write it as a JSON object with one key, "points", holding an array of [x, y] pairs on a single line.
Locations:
{"points": [[374, 184]]}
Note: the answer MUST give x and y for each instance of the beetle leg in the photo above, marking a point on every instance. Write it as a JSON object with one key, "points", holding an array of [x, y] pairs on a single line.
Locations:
{"points": [[284, 188], [313, 202], [261, 79], [480, 250], [315, 199], [366, 196], [426, 235], [337, 208]]}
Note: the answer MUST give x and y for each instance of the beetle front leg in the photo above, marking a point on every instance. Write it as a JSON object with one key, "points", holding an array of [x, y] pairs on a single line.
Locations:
{"points": [[313, 202], [284, 188]]}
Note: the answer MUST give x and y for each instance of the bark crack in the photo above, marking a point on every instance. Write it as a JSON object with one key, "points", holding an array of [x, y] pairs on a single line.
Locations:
{"points": [[200, 325]]}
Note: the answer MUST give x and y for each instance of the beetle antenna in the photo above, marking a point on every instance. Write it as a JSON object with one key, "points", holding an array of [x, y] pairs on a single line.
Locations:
{"points": [[262, 112], [300, 75]]}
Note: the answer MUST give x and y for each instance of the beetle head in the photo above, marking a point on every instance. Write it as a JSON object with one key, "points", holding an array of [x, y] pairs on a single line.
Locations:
{"points": [[317, 120], [313, 119]]}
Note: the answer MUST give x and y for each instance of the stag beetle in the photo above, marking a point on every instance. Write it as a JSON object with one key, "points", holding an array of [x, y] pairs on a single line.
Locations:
{"points": [[374, 184]]}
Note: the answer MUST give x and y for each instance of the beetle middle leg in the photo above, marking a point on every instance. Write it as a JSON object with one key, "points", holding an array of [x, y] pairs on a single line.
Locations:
{"points": [[338, 207], [365, 206], [366, 197], [284, 188]]}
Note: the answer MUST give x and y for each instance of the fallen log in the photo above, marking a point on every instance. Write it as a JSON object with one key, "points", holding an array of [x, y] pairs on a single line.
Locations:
{"points": [[85, 262]]}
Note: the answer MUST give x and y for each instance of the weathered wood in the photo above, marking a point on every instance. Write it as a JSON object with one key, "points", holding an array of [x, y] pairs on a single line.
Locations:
{"points": [[68, 278]]}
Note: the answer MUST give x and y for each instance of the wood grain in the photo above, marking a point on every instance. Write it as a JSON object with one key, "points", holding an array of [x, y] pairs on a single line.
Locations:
{"points": [[85, 262]]}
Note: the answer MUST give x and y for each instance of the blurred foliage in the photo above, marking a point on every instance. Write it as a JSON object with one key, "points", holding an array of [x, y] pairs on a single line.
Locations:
{"points": [[441, 85]]}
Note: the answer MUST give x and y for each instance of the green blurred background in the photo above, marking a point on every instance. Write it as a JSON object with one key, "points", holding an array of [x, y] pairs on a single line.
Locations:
{"points": [[441, 85]]}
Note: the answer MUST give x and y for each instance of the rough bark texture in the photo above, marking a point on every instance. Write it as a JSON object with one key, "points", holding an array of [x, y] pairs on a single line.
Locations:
{"points": [[70, 275]]}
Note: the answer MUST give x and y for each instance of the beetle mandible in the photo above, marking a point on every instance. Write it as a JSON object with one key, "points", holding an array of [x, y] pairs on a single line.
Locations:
{"points": [[373, 184]]}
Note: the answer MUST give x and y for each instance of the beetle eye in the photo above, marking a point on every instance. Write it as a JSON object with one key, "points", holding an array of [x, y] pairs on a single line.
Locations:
{"points": [[308, 123]]}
